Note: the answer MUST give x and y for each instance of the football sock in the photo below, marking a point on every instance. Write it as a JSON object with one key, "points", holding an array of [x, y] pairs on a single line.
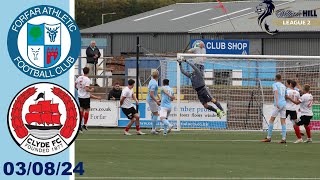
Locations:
{"points": [[86, 117], [308, 131], [127, 128], [219, 106], [284, 131], [137, 127], [165, 124], [270, 128], [211, 108], [154, 122], [81, 117], [297, 131]]}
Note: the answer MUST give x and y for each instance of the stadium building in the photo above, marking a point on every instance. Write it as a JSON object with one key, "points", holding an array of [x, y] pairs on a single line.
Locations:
{"points": [[215, 148], [168, 30], [171, 29]]}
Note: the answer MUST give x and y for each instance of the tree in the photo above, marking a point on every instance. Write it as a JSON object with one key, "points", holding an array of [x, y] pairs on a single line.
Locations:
{"points": [[35, 32]]}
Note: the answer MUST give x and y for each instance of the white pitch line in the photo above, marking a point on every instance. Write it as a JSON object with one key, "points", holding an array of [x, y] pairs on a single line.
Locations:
{"points": [[153, 15], [195, 133], [171, 140], [190, 178], [190, 14], [230, 14], [157, 140]]}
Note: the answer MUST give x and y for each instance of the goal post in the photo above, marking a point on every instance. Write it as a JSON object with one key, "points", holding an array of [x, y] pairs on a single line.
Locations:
{"points": [[242, 84]]}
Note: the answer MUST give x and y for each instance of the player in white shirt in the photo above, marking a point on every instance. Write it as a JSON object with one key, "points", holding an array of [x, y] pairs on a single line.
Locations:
{"points": [[305, 102], [127, 108], [292, 96], [82, 84]]}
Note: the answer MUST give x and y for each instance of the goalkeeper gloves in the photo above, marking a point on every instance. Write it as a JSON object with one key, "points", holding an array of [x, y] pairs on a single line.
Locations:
{"points": [[181, 60]]}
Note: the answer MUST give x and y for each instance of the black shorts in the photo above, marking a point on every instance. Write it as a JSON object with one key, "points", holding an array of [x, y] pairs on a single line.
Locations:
{"points": [[129, 112], [84, 103], [293, 114], [204, 95], [304, 120]]}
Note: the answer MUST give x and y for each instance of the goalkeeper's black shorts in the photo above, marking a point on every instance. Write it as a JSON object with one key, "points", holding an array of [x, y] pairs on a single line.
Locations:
{"points": [[204, 95]]}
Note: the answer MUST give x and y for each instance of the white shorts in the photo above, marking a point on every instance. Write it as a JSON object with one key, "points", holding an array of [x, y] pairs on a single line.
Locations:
{"points": [[277, 111], [164, 112], [153, 106]]}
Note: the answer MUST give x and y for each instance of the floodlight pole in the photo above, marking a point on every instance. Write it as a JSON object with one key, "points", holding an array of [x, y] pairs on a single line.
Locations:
{"points": [[137, 72]]}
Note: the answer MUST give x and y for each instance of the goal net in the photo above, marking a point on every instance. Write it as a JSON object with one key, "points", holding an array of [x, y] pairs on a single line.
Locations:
{"points": [[243, 86]]}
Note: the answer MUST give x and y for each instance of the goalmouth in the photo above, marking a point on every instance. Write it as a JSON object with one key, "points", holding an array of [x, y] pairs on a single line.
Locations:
{"points": [[242, 84]]}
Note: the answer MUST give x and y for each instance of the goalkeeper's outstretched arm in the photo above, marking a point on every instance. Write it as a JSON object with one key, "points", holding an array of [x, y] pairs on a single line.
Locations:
{"points": [[183, 71], [194, 68]]}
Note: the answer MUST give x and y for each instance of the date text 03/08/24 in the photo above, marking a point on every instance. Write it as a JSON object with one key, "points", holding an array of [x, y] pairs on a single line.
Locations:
{"points": [[40, 168]]}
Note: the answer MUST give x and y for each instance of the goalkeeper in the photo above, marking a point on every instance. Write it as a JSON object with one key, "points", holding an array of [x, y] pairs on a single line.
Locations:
{"points": [[199, 85]]}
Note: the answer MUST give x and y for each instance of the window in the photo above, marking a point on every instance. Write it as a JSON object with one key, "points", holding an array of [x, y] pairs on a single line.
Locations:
{"points": [[222, 77]]}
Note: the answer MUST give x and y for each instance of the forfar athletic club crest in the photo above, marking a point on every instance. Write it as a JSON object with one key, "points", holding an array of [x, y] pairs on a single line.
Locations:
{"points": [[44, 42], [43, 119]]}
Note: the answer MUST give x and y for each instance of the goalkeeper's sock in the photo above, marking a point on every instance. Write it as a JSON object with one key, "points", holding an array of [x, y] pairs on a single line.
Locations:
{"points": [[219, 106], [165, 125], [270, 128], [284, 131], [211, 108], [154, 122]]}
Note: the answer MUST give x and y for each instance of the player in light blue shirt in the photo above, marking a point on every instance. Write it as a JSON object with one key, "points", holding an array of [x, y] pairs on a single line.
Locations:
{"points": [[167, 96], [152, 87], [152, 101], [279, 91]]}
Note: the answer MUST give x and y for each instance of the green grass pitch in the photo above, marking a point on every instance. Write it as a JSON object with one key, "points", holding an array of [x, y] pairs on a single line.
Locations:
{"points": [[107, 154]]}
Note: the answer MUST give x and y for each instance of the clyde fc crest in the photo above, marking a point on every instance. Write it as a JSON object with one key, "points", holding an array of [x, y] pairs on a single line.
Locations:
{"points": [[44, 42], [43, 119]]}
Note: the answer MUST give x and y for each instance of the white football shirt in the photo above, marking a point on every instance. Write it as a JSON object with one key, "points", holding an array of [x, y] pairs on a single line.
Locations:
{"points": [[295, 95], [82, 82], [127, 93], [198, 50], [306, 105]]}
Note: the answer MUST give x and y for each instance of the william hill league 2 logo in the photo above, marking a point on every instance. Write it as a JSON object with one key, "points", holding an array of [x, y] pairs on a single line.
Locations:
{"points": [[265, 9], [43, 119], [44, 42]]}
